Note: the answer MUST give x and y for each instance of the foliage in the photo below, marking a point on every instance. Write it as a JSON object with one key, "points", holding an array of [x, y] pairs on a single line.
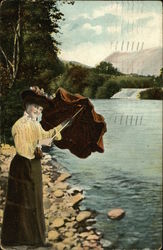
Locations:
{"points": [[74, 79], [129, 81], [108, 89], [155, 93], [87, 82], [27, 46], [159, 79], [94, 81], [28, 52], [106, 68]]}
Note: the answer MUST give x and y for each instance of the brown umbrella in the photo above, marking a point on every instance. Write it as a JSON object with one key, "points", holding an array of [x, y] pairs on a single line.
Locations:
{"points": [[85, 133]]}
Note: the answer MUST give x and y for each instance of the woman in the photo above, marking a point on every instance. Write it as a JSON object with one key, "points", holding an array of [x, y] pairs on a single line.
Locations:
{"points": [[23, 221]]}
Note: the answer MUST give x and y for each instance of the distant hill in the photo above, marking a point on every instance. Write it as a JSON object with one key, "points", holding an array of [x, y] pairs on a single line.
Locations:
{"points": [[144, 62]]}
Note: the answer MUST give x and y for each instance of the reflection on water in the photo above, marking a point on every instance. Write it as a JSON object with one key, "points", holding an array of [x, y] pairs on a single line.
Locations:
{"points": [[126, 175]]}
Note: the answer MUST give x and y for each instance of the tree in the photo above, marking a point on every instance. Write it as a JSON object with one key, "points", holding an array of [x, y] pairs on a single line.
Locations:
{"points": [[74, 79], [108, 89], [159, 79], [10, 29], [94, 81], [106, 68], [28, 52], [27, 46]]}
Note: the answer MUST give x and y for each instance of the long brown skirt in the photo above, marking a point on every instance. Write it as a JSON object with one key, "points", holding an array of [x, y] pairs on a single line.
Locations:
{"points": [[23, 221]]}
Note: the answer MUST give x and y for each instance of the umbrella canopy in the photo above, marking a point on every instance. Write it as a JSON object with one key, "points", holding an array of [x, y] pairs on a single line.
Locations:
{"points": [[85, 135]]}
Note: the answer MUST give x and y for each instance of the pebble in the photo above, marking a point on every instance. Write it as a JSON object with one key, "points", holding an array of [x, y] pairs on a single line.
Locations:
{"points": [[58, 222], [85, 234], [76, 199], [63, 177], [69, 234], [1, 213], [74, 190], [105, 243], [53, 235], [93, 237], [83, 216], [116, 214], [60, 246], [47, 204], [61, 185], [58, 193], [69, 241]]}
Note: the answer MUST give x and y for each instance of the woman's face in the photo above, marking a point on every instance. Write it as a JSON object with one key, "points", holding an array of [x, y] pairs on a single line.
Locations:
{"points": [[34, 110]]}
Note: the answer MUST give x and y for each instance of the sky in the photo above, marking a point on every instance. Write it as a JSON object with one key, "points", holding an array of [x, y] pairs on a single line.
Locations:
{"points": [[93, 30]]}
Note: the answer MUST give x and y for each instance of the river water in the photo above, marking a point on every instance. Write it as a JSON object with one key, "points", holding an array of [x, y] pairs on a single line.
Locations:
{"points": [[127, 175]]}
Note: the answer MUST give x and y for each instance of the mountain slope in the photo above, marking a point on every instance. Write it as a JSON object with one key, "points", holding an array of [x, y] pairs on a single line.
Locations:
{"points": [[144, 62]]}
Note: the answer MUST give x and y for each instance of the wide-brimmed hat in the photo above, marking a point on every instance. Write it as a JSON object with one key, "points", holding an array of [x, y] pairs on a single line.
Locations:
{"points": [[35, 95]]}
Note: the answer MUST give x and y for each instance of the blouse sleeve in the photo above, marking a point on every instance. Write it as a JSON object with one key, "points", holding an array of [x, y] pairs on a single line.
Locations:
{"points": [[50, 133]]}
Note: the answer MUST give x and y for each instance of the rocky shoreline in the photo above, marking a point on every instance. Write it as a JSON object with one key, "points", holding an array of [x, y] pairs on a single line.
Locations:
{"points": [[67, 227]]}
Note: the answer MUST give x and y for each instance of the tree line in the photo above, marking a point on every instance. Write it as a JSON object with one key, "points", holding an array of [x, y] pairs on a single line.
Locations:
{"points": [[102, 81]]}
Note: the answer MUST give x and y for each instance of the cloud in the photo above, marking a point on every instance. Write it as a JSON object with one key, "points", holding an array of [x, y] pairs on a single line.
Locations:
{"points": [[112, 9], [135, 29], [113, 29], [97, 28], [87, 53], [81, 15], [150, 34]]}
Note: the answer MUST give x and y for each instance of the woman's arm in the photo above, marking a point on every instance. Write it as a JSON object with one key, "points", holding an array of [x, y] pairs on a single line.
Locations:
{"points": [[50, 133]]}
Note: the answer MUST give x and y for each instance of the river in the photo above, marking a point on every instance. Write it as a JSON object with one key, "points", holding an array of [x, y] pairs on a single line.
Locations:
{"points": [[127, 175]]}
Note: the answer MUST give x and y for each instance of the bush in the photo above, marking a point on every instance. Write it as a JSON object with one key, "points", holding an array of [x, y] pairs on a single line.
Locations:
{"points": [[107, 90], [153, 93]]}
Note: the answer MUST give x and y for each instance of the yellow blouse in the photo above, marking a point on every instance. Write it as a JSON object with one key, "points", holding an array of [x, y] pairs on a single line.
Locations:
{"points": [[27, 133]]}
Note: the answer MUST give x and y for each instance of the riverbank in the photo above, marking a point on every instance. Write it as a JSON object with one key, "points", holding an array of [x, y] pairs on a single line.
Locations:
{"points": [[67, 227]]}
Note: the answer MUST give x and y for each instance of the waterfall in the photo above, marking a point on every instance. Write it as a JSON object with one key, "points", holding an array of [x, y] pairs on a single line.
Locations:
{"points": [[128, 93]]}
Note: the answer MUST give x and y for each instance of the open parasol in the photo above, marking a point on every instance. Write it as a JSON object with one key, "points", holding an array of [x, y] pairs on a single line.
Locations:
{"points": [[83, 128]]}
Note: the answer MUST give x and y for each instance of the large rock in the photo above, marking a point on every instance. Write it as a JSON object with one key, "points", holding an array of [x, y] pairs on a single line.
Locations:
{"points": [[83, 216], [116, 214]]}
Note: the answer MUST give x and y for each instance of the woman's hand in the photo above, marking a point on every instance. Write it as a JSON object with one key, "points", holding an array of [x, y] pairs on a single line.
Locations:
{"points": [[59, 127], [57, 136]]}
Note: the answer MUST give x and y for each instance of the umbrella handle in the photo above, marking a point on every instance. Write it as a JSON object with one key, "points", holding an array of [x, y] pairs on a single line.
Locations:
{"points": [[68, 122]]}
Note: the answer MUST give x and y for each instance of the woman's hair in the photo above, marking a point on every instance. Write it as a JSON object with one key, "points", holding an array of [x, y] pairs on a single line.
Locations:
{"points": [[33, 100], [30, 103]]}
